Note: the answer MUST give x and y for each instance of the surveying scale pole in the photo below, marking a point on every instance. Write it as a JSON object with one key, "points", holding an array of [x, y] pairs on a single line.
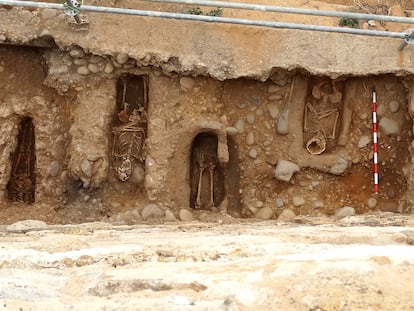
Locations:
{"points": [[375, 138]]}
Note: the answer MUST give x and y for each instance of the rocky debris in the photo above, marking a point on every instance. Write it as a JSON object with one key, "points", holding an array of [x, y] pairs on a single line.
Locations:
{"points": [[318, 204], [86, 168], [364, 141], [83, 70], [264, 213], [389, 126], [250, 139], [253, 153], [187, 83], [77, 53], [286, 215], [231, 131], [274, 88], [372, 202], [298, 201], [282, 126], [389, 206], [344, 212], [273, 110], [152, 211], [54, 168], [138, 175], [279, 202], [185, 215], [285, 170], [340, 167], [109, 68], [393, 106], [122, 58], [250, 118], [169, 215], [239, 125]]}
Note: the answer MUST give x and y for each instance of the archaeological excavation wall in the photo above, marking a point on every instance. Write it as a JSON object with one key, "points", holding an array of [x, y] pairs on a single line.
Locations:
{"points": [[85, 130]]}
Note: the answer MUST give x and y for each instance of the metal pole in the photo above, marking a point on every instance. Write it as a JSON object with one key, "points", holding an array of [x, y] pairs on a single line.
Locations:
{"points": [[203, 18], [289, 10]]}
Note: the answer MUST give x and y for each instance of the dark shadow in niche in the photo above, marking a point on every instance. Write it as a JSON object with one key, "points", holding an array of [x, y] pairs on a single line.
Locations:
{"points": [[22, 183], [129, 127], [206, 175], [232, 177]]}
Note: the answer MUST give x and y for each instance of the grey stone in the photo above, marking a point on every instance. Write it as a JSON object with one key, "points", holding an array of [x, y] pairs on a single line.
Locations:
{"points": [[121, 58], [298, 201], [282, 127], [394, 106], [54, 168], [389, 126], [259, 112], [187, 83], [250, 139], [317, 204], [80, 62], [77, 53], [264, 213], [185, 215], [285, 170], [86, 168], [363, 141], [344, 212], [372, 202], [253, 153], [109, 68], [273, 110], [93, 68], [138, 175], [250, 118], [169, 215], [152, 211], [83, 70], [231, 131], [340, 167], [96, 59], [258, 204], [286, 215], [389, 207], [279, 202], [239, 125], [27, 225]]}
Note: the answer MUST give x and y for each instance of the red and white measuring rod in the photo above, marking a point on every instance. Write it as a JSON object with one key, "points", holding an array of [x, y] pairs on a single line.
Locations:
{"points": [[375, 137]]}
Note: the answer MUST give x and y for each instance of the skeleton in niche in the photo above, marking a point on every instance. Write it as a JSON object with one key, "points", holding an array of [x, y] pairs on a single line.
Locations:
{"points": [[204, 162], [321, 116], [21, 187], [129, 139]]}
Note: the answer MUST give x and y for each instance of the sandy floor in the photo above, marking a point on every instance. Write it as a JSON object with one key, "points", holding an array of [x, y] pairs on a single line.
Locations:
{"points": [[357, 263]]}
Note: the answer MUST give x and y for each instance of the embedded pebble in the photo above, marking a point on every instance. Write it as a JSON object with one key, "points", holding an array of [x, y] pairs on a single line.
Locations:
{"points": [[275, 97], [285, 169], [282, 127], [109, 68], [187, 83], [83, 70], [340, 167], [274, 88], [169, 216], [250, 138], [80, 62], [381, 109], [152, 211], [389, 126], [298, 201], [185, 215], [121, 58], [317, 204], [273, 110], [363, 141], [239, 125], [231, 131], [394, 106], [279, 202], [77, 53], [54, 168], [363, 116], [286, 215], [250, 118], [86, 168], [344, 212], [95, 59], [138, 175], [93, 68], [372, 202], [253, 153], [264, 213]]}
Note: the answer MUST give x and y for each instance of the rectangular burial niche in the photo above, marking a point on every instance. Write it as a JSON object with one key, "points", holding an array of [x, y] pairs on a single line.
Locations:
{"points": [[206, 175], [322, 115], [22, 183], [129, 127]]}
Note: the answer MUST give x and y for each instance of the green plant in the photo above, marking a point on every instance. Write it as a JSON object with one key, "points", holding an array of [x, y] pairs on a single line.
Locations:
{"points": [[348, 22], [215, 12], [193, 11]]}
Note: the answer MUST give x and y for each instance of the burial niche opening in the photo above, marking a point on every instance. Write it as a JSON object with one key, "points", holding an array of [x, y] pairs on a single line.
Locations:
{"points": [[22, 183], [129, 129], [206, 175]]}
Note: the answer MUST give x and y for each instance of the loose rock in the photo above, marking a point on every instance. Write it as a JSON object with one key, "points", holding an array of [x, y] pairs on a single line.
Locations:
{"points": [[76, 53], [363, 141], [389, 126], [250, 138], [344, 212], [264, 213], [253, 153], [285, 170], [273, 110], [121, 58], [286, 215], [138, 175], [274, 88], [340, 167], [152, 211], [394, 106], [239, 125], [231, 131], [93, 68], [185, 215], [83, 70], [298, 201], [187, 83]]}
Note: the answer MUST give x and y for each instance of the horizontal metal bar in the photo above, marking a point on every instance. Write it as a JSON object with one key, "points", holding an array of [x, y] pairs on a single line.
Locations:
{"points": [[215, 19], [289, 10]]}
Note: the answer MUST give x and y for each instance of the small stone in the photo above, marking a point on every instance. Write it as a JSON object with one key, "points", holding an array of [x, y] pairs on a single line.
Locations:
{"points": [[275, 97], [363, 116], [96, 59], [274, 88], [239, 125], [253, 153], [86, 168], [86, 198], [317, 204], [258, 204], [340, 167], [83, 70], [285, 170], [389, 207], [389, 126], [80, 62], [187, 83], [121, 58], [169, 215], [231, 131], [363, 141], [152, 211], [273, 110], [185, 215], [54, 168], [93, 68], [381, 109], [77, 53], [394, 106], [372, 202], [27, 225], [259, 112], [298, 201], [250, 139], [264, 213], [138, 175], [250, 118], [109, 68], [344, 212], [286, 215], [279, 202]]}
